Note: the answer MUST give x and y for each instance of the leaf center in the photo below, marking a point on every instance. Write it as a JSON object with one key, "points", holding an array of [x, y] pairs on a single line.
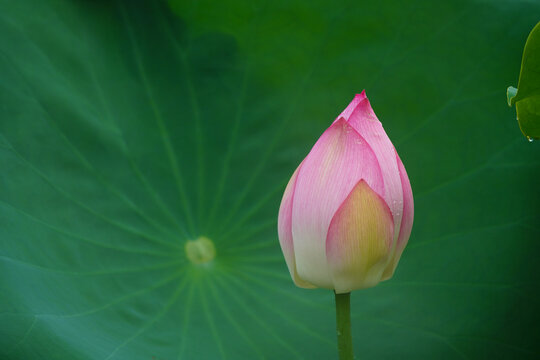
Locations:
{"points": [[200, 251]]}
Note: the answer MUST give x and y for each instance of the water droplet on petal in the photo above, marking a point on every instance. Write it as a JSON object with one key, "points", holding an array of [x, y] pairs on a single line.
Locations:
{"points": [[530, 139]]}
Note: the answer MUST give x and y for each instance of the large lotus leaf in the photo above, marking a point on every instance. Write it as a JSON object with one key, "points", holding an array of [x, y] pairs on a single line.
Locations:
{"points": [[130, 127]]}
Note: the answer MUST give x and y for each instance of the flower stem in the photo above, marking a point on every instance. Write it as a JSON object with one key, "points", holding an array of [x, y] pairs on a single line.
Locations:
{"points": [[343, 326]]}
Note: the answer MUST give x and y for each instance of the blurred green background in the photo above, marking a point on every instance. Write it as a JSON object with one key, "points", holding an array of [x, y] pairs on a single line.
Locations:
{"points": [[129, 127]]}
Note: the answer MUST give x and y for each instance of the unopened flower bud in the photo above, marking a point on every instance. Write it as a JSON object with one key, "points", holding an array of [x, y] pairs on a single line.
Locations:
{"points": [[347, 212]]}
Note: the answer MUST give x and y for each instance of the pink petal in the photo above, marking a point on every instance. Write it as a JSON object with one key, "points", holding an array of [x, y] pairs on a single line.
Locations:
{"points": [[339, 159], [364, 120], [359, 241], [406, 220], [350, 108], [285, 230]]}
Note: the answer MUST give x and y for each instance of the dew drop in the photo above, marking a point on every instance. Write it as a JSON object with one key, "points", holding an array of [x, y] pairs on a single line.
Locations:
{"points": [[530, 139], [372, 118]]}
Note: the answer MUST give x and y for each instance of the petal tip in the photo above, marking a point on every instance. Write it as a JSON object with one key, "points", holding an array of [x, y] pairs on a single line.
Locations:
{"points": [[358, 98]]}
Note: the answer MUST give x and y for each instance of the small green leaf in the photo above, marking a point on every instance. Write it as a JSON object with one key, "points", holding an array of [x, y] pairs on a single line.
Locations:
{"points": [[527, 96]]}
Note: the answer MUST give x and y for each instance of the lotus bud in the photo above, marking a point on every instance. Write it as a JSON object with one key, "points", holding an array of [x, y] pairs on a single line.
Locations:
{"points": [[347, 211]]}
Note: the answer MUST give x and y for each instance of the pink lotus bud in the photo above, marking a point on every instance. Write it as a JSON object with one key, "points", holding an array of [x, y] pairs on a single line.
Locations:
{"points": [[347, 212]]}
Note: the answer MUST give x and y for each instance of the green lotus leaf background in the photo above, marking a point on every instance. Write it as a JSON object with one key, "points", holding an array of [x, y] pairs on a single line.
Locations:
{"points": [[130, 127]]}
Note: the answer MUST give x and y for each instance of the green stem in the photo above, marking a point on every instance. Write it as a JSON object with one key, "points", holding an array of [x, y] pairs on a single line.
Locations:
{"points": [[343, 326]]}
